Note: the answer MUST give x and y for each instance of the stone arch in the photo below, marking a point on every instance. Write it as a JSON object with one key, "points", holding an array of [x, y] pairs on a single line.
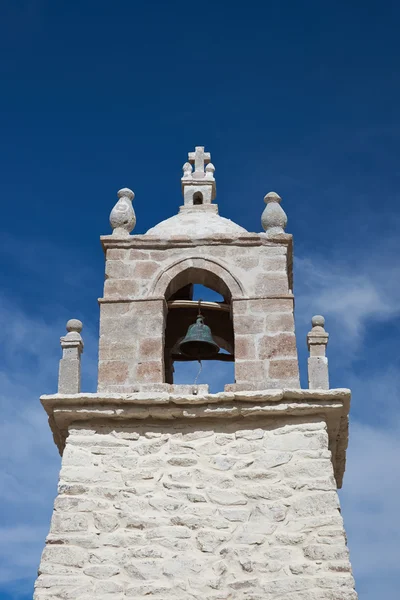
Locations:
{"points": [[205, 271]]}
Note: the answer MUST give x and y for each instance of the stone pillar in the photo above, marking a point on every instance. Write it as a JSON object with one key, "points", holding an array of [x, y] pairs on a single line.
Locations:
{"points": [[317, 340], [265, 344], [69, 374], [131, 349]]}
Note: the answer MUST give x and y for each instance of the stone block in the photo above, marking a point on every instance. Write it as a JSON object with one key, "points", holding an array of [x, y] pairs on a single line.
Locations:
{"points": [[114, 310], [249, 370], [326, 553], [269, 284], [246, 262], [283, 369], [273, 263], [241, 307], [271, 305], [103, 571], [67, 523], [244, 347], [122, 329], [315, 504], [117, 269], [115, 351], [282, 345], [71, 556], [247, 386], [113, 372], [154, 308], [149, 372], [135, 254], [151, 349], [279, 323], [69, 376], [116, 254], [248, 324], [105, 522], [121, 288], [318, 374], [145, 269]]}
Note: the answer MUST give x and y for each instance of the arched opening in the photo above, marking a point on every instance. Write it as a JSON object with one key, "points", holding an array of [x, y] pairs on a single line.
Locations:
{"points": [[197, 198], [182, 296]]}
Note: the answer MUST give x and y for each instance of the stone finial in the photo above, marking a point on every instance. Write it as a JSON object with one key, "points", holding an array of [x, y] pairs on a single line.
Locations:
{"points": [[122, 216], [198, 183], [74, 325], [187, 170], [273, 219], [69, 375], [317, 340], [210, 170]]}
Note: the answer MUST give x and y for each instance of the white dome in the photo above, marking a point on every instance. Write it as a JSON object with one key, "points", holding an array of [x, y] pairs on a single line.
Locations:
{"points": [[196, 223]]}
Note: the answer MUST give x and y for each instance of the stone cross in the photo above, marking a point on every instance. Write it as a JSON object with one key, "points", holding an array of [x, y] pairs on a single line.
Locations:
{"points": [[199, 158]]}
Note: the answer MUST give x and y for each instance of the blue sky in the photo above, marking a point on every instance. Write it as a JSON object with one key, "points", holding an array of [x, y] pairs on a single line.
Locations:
{"points": [[297, 97]]}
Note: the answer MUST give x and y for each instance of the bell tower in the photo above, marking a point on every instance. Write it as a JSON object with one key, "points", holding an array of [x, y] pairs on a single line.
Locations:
{"points": [[167, 490]]}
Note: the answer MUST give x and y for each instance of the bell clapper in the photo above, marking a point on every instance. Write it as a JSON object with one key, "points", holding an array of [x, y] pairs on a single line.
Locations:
{"points": [[199, 371], [195, 391]]}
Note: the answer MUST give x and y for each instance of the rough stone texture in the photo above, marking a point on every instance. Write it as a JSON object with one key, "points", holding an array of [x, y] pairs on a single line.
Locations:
{"points": [[317, 340], [69, 372], [273, 219], [131, 344], [267, 345], [122, 216], [253, 272], [181, 403], [318, 372], [219, 510]]}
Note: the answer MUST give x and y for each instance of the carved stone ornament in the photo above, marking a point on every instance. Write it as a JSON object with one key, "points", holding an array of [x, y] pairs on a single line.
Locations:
{"points": [[122, 216], [273, 219]]}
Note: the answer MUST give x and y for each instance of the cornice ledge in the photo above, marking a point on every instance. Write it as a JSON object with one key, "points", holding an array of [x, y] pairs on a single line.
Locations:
{"points": [[333, 405], [153, 241]]}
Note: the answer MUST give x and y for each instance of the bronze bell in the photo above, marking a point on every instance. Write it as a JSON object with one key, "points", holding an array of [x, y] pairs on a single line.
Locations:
{"points": [[198, 342]]}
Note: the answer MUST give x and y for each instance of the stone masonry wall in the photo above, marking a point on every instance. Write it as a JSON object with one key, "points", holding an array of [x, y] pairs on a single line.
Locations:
{"points": [[216, 511], [132, 319], [131, 343], [262, 270], [265, 344]]}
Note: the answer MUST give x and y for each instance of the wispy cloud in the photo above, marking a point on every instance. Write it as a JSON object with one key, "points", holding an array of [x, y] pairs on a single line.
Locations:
{"points": [[29, 460], [352, 291], [370, 507], [358, 290]]}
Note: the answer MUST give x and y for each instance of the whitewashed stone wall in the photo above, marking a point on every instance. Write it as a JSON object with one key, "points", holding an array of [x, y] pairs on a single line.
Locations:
{"points": [[217, 511]]}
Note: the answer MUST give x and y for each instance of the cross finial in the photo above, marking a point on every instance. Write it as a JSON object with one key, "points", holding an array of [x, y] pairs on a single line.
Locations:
{"points": [[198, 185], [199, 158]]}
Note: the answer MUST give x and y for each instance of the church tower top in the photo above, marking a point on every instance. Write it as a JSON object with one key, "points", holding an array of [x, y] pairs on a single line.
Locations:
{"points": [[198, 217]]}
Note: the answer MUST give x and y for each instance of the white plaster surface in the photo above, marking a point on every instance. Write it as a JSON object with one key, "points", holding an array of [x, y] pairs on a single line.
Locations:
{"points": [[210, 510], [195, 223]]}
